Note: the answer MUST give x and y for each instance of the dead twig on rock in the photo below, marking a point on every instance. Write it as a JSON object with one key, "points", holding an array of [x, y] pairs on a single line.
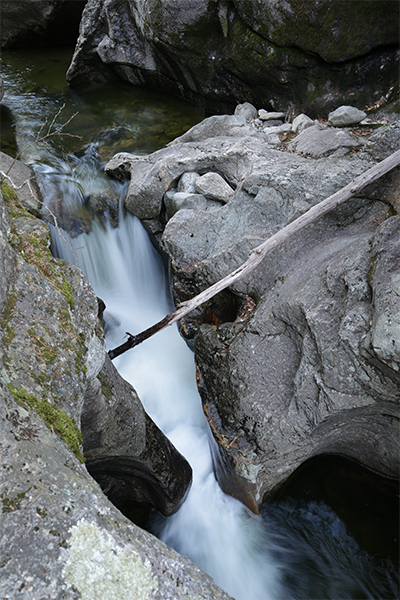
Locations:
{"points": [[50, 133], [42, 137], [259, 253]]}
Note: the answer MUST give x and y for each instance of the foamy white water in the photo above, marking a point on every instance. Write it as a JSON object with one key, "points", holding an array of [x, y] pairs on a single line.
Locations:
{"points": [[216, 531], [299, 549]]}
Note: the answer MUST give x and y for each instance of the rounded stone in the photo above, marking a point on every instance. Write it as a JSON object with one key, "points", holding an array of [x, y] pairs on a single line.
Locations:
{"points": [[346, 116]]}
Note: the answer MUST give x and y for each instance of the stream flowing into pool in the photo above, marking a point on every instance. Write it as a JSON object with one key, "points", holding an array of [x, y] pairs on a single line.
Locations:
{"points": [[301, 547]]}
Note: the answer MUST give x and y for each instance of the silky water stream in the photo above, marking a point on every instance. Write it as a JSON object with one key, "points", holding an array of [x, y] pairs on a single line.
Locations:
{"points": [[300, 548], [311, 543]]}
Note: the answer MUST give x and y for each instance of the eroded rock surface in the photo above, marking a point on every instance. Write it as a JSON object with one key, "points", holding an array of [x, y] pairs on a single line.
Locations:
{"points": [[300, 357], [218, 54], [59, 534], [138, 468]]}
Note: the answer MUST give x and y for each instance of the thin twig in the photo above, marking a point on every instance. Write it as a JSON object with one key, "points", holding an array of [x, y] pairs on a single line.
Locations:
{"points": [[49, 133]]}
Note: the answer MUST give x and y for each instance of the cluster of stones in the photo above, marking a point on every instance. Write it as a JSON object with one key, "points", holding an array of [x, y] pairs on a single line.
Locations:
{"points": [[303, 135], [201, 192], [274, 124]]}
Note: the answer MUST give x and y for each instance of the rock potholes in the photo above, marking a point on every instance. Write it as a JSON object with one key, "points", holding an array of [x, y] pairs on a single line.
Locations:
{"points": [[301, 357]]}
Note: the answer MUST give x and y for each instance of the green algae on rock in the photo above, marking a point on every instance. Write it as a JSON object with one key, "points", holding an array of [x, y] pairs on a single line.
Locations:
{"points": [[55, 419]]}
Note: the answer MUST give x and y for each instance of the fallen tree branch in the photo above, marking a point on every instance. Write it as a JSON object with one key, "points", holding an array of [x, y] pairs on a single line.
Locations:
{"points": [[259, 253]]}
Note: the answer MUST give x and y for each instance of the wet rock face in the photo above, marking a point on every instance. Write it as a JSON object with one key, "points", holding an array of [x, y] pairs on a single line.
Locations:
{"points": [[58, 530], [217, 54], [136, 466], [333, 29], [39, 22], [300, 358]]}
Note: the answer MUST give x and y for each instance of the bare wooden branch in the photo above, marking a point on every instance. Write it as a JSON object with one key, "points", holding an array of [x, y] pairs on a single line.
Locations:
{"points": [[43, 138], [259, 253], [135, 340]]}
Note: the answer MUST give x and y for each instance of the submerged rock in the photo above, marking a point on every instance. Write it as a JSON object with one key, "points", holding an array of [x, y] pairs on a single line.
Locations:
{"points": [[300, 357], [105, 204]]}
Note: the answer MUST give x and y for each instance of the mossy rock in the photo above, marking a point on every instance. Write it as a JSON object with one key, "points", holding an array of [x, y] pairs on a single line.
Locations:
{"points": [[54, 418]]}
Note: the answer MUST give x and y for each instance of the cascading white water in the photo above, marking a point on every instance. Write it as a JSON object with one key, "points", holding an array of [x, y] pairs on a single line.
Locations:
{"points": [[217, 532], [298, 549]]}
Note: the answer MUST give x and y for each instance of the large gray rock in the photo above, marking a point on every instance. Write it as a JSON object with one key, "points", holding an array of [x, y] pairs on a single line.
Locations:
{"points": [[59, 534], [180, 200], [216, 126], [39, 22], [301, 122], [303, 376], [346, 116], [214, 187], [246, 111], [316, 142], [300, 357], [218, 54], [61, 538], [139, 468]]}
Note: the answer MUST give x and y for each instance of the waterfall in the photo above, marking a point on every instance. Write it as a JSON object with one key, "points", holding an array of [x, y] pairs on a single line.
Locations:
{"points": [[216, 531], [297, 549]]}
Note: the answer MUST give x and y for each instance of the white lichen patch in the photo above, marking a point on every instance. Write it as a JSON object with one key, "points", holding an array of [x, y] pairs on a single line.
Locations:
{"points": [[100, 567]]}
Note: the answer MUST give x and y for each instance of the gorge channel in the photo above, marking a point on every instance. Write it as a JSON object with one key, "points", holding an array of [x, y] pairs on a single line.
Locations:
{"points": [[300, 547]]}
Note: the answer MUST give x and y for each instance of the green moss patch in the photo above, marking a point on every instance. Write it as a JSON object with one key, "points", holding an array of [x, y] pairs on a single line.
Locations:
{"points": [[35, 246], [46, 351], [54, 418], [11, 199], [10, 196], [11, 504], [106, 387], [8, 331]]}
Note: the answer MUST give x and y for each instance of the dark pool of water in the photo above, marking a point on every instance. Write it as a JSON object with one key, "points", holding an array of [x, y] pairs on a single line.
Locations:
{"points": [[118, 117], [338, 525]]}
